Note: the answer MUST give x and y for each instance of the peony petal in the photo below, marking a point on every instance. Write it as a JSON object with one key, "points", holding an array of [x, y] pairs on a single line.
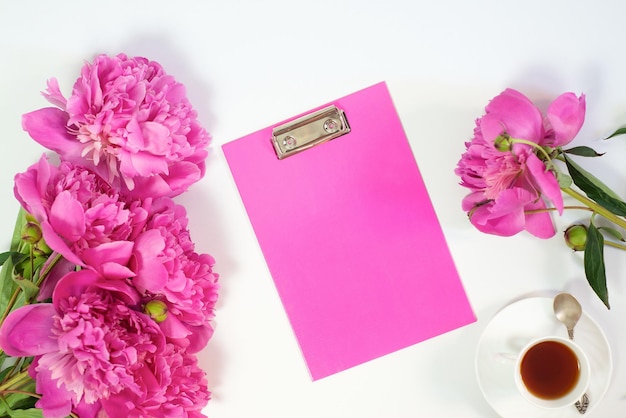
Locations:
{"points": [[124, 291], [110, 270], [547, 182], [172, 327], [73, 284], [67, 217], [53, 94], [110, 259], [56, 400], [30, 185], [85, 410], [199, 338], [55, 242], [60, 268], [566, 115], [491, 127], [27, 331], [151, 273], [142, 164], [505, 226], [48, 126], [539, 224], [156, 138], [472, 200], [183, 174], [134, 138], [504, 216], [517, 115], [44, 171], [153, 186]]}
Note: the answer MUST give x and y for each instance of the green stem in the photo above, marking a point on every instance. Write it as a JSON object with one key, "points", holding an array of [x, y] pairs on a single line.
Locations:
{"points": [[532, 144], [16, 381], [22, 392], [10, 305], [19, 366], [615, 245], [32, 263], [530, 212], [44, 273], [596, 208], [577, 207]]}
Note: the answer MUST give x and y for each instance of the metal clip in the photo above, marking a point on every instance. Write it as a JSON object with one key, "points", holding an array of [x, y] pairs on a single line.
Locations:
{"points": [[309, 130]]}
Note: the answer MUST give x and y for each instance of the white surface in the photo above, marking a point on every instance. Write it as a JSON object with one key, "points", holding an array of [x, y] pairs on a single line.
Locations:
{"points": [[506, 335], [249, 64]]}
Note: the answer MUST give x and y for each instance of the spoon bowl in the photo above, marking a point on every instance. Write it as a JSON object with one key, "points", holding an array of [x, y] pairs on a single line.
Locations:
{"points": [[567, 310]]}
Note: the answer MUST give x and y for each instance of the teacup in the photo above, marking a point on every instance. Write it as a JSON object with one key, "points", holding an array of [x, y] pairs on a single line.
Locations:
{"points": [[552, 372]]}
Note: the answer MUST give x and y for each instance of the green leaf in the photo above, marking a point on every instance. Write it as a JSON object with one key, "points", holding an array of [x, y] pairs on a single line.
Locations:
{"points": [[7, 284], [564, 180], [583, 152], [595, 189], [20, 404], [13, 255], [26, 413], [612, 232], [4, 373], [5, 256], [29, 288], [594, 264], [620, 131], [28, 267], [16, 239]]}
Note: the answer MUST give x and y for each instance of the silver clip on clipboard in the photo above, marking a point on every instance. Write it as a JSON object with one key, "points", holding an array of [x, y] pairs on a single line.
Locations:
{"points": [[309, 130]]}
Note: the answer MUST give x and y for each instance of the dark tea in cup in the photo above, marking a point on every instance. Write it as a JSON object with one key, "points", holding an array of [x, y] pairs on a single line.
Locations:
{"points": [[550, 370]]}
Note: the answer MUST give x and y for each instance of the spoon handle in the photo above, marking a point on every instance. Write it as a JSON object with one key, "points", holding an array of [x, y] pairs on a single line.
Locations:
{"points": [[583, 403]]}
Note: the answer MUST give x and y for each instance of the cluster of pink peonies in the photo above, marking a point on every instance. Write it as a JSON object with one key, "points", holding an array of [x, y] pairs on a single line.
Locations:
{"points": [[123, 300]]}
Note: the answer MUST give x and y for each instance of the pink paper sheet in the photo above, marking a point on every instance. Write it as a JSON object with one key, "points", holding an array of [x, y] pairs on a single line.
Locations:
{"points": [[351, 239]]}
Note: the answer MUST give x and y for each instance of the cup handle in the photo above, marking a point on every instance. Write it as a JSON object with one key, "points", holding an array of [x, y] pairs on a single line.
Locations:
{"points": [[505, 357]]}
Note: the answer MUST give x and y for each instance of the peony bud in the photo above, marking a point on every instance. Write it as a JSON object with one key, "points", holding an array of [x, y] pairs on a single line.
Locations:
{"points": [[576, 237], [31, 232], [41, 248], [157, 310], [503, 142]]}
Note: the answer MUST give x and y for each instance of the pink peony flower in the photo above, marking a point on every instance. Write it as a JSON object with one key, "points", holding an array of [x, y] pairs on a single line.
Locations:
{"points": [[167, 269], [81, 216], [89, 343], [98, 356], [128, 121], [509, 189], [176, 388], [188, 392]]}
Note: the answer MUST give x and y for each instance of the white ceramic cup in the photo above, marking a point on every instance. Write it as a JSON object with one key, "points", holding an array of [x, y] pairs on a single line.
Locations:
{"points": [[549, 375]]}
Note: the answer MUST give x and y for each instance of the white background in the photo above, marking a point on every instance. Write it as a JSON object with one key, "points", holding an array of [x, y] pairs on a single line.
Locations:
{"points": [[250, 64]]}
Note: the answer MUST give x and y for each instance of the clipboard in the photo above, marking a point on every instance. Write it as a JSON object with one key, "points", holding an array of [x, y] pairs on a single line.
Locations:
{"points": [[349, 234]]}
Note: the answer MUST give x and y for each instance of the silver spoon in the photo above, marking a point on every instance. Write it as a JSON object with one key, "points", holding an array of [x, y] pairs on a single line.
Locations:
{"points": [[568, 310]]}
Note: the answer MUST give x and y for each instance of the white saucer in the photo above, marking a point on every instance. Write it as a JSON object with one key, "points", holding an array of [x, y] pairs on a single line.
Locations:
{"points": [[509, 330]]}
